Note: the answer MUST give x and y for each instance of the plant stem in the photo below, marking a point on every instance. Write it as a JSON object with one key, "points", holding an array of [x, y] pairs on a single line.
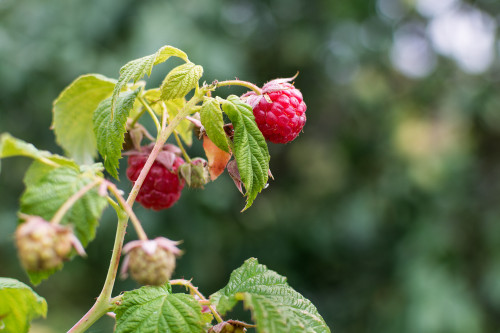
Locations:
{"points": [[103, 303], [246, 84], [137, 117], [181, 146], [188, 284], [151, 113], [135, 221], [72, 200]]}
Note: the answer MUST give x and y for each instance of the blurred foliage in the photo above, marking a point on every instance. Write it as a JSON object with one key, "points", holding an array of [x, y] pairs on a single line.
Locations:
{"points": [[384, 212]]}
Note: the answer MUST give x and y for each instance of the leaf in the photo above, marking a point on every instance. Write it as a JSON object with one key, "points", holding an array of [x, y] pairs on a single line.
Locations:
{"points": [[185, 127], [217, 158], [11, 146], [110, 131], [72, 115], [156, 309], [153, 97], [250, 148], [47, 189], [181, 80], [19, 304], [276, 307], [136, 69], [212, 121]]}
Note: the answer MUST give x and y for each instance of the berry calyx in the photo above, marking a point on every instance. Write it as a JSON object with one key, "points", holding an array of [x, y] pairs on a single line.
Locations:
{"points": [[150, 262], [195, 173], [280, 110], [45, 246], [162, 186]]}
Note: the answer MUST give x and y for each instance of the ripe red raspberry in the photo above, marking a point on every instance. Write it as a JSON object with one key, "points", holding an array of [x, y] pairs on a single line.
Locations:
{"points": [[279, 112], [162, 187]]}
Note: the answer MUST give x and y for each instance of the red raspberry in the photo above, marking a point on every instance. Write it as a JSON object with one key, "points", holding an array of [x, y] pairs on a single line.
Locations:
{"points": [[279, 112], [162, 187]]}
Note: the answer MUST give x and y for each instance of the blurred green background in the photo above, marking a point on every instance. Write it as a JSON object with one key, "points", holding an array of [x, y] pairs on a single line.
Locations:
{"points": [[384, 212]]}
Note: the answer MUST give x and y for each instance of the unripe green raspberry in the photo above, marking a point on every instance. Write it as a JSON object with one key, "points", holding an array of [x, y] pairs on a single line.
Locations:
{"points": [[44, 246], [151, 262]]}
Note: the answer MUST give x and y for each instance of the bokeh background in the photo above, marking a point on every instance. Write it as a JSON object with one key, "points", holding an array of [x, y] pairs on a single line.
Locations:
{"points": [[384, 212]]}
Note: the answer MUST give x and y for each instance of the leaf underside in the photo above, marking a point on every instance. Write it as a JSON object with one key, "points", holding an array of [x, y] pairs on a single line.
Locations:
{"points": [[72, 115]]}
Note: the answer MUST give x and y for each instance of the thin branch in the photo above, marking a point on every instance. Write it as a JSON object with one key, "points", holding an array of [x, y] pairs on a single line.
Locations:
{"points": [[188, 284], [72, 200]]}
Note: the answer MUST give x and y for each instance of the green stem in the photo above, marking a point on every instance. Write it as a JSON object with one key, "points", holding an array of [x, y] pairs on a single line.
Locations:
{"points": [[136, 118], [103, 303], [246, 84], [181, 146], [135, 221], [151, 113], [72, 200]]}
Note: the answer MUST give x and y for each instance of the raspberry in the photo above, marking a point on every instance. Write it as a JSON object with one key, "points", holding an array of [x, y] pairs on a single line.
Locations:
{"points": [[279, 112], [162, 187], [44, 246], [150, 262]]}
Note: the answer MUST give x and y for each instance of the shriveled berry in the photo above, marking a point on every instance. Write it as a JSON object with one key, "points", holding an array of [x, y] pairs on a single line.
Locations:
{"points": [[162, 187], [279, 112]]}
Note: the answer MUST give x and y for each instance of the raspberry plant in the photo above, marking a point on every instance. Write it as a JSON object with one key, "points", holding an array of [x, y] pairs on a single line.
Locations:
{"points": [[65, 196]]}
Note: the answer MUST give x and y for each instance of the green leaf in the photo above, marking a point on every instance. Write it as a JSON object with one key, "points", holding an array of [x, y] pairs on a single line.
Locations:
{"points": [[181, 80], [156, 309], [136, 69], [110, 131], [72, 115], [212, 121], [19, 304], [276, 307], [250, 148], [47, 189], [11, 146]]}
